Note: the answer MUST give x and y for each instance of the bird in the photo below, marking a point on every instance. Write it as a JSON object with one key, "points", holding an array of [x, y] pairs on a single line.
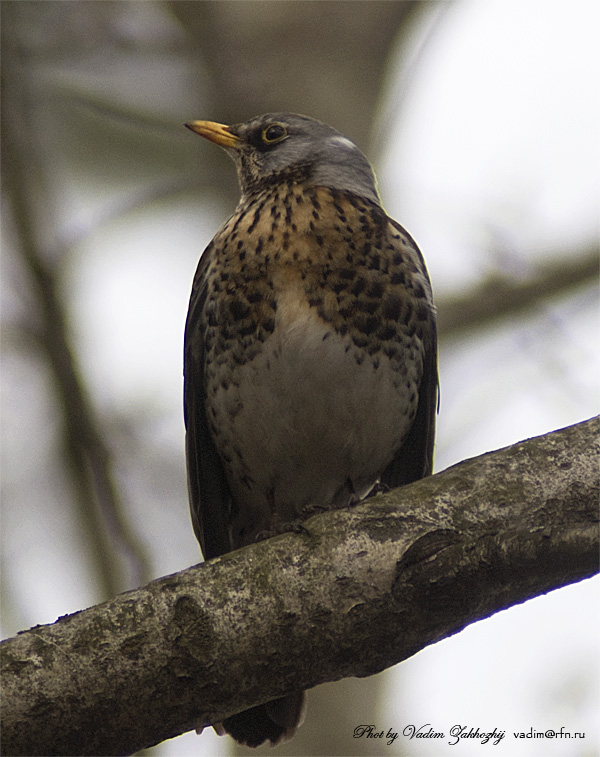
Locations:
{"points": [[310, 352]]}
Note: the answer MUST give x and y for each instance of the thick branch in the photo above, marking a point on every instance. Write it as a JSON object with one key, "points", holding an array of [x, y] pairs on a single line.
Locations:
{"points": [[358, 591]]}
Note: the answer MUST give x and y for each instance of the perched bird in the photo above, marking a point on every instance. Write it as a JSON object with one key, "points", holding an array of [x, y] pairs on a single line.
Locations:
{"points": [[310, 351]]}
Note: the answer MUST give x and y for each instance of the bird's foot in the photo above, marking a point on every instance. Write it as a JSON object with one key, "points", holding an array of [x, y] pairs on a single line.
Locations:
{"points": [[294, 527], [311, 510], [379, 488]]}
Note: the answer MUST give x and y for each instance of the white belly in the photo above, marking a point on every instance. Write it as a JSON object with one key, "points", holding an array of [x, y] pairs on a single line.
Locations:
{"points": [[311, 420]]}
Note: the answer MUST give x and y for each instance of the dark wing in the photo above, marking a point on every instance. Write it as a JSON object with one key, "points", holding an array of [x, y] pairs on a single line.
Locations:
{"points": [[210, 499], [414, 459]]}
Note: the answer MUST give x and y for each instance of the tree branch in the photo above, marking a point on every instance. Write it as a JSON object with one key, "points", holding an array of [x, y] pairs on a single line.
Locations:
{"points": [[357, 591], [90, 459], [500, 296]]}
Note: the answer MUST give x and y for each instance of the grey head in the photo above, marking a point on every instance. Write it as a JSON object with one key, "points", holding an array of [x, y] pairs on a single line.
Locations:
{"points": [[280, 147]]}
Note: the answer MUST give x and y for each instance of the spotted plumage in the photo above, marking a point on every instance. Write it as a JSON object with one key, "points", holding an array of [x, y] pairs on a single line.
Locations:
{"points": [[310, 350]]}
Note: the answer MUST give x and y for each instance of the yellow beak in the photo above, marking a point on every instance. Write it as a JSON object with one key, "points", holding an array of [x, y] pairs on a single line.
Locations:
{"points": [[217, 133]]}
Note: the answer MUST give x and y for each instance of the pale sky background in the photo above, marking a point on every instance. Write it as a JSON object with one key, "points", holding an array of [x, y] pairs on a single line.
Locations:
{"points": [[494, 162]]}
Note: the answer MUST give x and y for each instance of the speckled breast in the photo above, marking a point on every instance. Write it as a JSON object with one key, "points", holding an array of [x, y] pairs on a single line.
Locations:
{"points": [[318, 308]]}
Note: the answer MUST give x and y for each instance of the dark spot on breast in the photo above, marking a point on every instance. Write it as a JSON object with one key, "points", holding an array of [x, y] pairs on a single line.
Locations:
{"points": [[247, 329], [340, 211], [398, 277], [375, 289], [386, 333], [358, 286], [346, 273], [366, 306], [238, 309], [391, 307], [366, 324], [255, 220], [418, 290]]}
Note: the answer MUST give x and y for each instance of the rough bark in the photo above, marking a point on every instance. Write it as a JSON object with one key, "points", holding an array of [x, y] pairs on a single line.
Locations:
{"points": [[356, 591]]}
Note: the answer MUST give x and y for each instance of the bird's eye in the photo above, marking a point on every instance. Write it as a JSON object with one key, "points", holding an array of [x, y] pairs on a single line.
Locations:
{"points": [[274, 133]]}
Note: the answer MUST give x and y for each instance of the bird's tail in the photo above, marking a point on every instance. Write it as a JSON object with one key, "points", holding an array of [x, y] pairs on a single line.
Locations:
{"points": [[275, 721]]}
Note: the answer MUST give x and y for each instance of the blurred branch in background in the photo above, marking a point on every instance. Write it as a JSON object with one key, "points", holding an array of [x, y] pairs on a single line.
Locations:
{"points": [[87, 452], [326, 60], [500, 295]]}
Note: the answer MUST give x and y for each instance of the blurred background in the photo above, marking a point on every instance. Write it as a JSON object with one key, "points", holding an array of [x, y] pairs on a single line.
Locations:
{"points": [[482, 121]]}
